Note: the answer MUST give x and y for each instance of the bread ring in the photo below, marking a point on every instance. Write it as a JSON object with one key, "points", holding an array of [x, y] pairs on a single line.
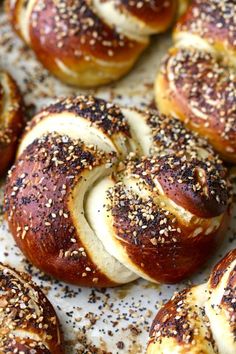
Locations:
{"points": [[74, 198], [89, 42], [11, 120], [29, 323], [199, 90], [200, 319]]}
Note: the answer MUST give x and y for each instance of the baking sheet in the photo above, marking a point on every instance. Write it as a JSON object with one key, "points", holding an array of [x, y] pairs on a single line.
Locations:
{"points": [[107, 320]]}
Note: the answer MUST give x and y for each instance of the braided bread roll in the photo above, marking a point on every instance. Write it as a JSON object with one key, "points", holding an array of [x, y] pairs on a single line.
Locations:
{"points": [[100, 194], [28, 322], [195, 82], [89, 42], [201, 319], [11, 119]]}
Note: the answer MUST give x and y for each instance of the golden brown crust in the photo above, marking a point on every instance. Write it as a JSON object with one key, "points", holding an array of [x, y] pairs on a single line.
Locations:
{"points": [[170, 136], [198, 186], [173, 215], [176, 247], [76, 45], [214, 21], [161, 240], [11, 120], [80, 35], [200, 91], [186, 322], [105, 119], [172, 320], [155, 13], [81, 42], [79, 48], [28, 320], [176, 327], [103, 115], [220, 269], [41, 187]]}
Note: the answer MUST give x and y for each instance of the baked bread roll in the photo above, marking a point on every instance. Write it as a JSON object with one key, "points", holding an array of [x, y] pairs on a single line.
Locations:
{"points": [[29, 323], [11, 120], [201, 319], [99, 194], [201, 91], [209, 25], [89, 42], [196, 83]]}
